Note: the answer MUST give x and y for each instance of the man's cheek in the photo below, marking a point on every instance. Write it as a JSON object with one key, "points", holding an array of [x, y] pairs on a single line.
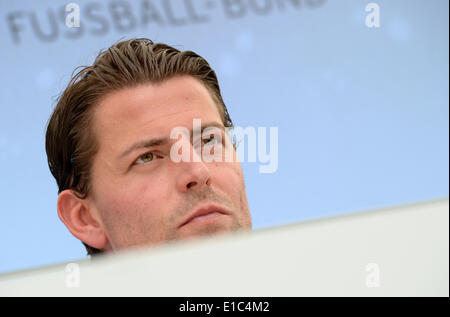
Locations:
{"points": [[236, 170], [117, 202]]}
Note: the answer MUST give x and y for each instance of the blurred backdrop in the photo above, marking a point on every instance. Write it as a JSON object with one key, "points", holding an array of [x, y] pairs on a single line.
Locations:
{"points": [[362, 112]]}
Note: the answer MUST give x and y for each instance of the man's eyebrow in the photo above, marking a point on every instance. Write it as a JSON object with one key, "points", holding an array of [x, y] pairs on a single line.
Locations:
{"points": [[142, 145], [162, 141]]}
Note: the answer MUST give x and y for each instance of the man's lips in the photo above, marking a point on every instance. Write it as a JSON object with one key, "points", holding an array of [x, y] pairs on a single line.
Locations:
{"points": [[205, 212]]}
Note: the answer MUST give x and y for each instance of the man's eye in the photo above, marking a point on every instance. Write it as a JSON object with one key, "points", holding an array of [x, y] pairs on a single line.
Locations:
{"points": [[145, 158]]}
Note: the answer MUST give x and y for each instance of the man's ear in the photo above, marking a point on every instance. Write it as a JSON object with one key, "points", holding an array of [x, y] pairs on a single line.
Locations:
{"points": [[75, 213]]}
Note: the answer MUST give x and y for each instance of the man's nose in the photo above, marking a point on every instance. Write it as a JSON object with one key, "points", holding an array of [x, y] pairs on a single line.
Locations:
{"points": [[194, 173]]}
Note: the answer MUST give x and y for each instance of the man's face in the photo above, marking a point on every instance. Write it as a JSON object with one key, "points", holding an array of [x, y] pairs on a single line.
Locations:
{"points": [[141, 195]]}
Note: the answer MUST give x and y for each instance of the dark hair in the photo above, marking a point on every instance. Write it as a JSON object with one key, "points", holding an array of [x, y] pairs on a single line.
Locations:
{"points": [[70, 143]]}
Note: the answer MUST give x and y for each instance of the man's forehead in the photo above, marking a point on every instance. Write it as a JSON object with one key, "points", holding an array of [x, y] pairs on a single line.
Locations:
{"points": [[159, 99]]}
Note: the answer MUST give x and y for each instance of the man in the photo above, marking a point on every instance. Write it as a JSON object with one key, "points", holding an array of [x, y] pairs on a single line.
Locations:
{"points": [[110, 147]]}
